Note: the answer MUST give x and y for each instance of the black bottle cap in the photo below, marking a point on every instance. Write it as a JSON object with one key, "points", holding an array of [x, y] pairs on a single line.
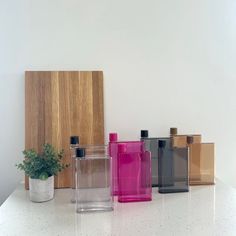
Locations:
{"points": [[144, 133], [173, 131], [161, 143], [80, 152], [189, 139], [74, 140]]}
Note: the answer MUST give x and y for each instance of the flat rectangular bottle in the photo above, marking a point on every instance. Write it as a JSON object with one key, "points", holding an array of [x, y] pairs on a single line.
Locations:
{"points": [[151, 144], [74, 143], [132, 146], [93, 182], [172, 178], [180, 141], [134, 175], [202, 166]]}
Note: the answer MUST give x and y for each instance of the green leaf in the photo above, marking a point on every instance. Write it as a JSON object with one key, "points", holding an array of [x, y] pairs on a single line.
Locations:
{"points": [[43, 176], [42, 165]]}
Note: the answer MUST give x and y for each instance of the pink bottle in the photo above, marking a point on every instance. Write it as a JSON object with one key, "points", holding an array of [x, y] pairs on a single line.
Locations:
{"points": [[131, 146], [134, 175]]}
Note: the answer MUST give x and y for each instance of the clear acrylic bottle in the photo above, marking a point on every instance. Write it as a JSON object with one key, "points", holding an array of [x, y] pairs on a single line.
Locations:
{"points": [[132, 146], [172, 178], [202, 164], [93, 180], [74, 143], [134, 175]]}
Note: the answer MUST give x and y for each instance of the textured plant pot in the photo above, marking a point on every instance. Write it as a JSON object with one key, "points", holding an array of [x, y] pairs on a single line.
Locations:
{"points": [[41, 190]]}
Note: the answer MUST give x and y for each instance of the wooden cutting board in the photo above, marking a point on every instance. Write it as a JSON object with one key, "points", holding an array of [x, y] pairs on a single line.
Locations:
{"points": [[60, 104]]}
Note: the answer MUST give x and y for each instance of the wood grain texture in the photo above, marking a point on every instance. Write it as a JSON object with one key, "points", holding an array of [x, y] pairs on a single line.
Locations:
{"points": [[59, 104]]}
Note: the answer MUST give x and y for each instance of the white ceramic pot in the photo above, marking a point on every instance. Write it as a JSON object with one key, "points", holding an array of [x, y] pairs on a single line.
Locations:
{"points": [[41, 190]]}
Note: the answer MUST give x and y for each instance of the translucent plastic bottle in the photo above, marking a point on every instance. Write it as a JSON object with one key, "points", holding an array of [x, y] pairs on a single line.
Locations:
{"points": [[74, 143], [172, 178], [131, 146], [151, 144], [134, 175], [202, 164], [93, 180]]}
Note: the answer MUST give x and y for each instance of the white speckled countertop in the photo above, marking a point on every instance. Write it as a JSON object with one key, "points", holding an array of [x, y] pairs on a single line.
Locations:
{"points": [[205, 210]]}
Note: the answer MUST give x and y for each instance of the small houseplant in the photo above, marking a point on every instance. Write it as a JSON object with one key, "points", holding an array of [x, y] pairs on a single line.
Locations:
{"points": [[41, 168]]}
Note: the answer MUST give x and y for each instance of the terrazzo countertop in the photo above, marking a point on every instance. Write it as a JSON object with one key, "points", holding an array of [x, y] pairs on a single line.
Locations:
{"points": [[205, 210]]}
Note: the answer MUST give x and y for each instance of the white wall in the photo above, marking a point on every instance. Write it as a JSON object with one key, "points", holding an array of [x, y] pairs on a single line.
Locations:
{"points": [[166, 63]]}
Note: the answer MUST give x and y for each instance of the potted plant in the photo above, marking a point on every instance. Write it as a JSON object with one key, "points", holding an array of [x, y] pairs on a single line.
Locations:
{"points": [[41, 168]]}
